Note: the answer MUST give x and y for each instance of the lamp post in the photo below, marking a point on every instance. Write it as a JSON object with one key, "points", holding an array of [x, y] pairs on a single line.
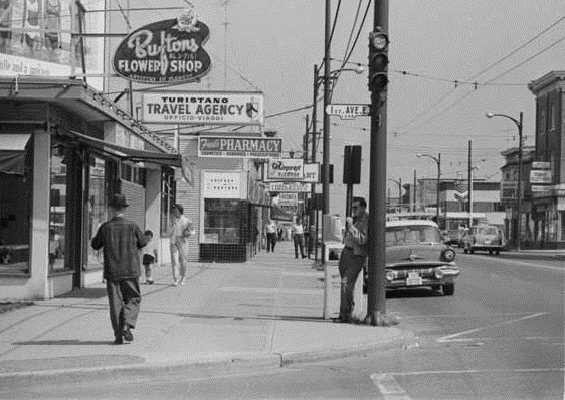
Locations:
{"points": [[399, 183], [438, 162], [520, 124]]}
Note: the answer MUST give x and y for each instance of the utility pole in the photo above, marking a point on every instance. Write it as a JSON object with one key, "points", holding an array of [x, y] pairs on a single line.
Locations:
{"points": [[326, 141], [378, 79], [314, 211], [470, 183]]}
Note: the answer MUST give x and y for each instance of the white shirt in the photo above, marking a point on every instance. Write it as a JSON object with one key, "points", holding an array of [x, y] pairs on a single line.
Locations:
{"points": [[297, 229], [178, 226]]}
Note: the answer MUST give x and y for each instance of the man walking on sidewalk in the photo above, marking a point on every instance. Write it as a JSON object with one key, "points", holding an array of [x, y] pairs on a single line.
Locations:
{"points": [[353, 255], [121, 240]]}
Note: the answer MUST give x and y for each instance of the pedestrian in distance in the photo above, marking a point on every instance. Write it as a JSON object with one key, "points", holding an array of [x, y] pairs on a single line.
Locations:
{"points": [[180, 231], [149, 257], [121, 239], [298, 237], [271, 233], [353, 256]]}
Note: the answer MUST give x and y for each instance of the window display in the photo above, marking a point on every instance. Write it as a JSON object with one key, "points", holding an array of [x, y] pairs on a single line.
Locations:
{"points": [[222, 221], [57, 208]]}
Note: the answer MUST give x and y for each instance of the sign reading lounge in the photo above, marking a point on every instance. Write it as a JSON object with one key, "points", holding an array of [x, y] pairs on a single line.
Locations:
{"points": [[219, 108], [221, 146]]}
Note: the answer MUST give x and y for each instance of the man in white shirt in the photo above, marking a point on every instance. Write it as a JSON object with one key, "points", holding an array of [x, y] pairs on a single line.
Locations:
{"points": [[181, 230]]}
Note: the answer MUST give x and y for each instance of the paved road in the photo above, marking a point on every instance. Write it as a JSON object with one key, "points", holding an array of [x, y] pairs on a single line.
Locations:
{"points": [[499, 337]]}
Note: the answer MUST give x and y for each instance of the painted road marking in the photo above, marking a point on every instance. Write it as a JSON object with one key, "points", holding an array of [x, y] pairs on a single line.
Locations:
{"points": [[389, 387], [449, 338]]}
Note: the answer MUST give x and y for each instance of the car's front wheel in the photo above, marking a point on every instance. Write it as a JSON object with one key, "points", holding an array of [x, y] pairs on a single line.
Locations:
{"points": [[448, 289]]}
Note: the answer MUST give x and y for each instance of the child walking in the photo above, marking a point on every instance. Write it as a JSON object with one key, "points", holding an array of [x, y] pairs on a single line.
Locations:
{"points": [[149, 257]]}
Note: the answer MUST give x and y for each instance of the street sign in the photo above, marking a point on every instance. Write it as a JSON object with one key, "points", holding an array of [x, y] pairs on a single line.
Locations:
{"points": [[348, 111]]}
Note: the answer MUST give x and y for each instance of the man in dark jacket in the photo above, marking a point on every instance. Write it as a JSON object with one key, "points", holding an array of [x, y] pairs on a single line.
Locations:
{"points": [[121, 240]]}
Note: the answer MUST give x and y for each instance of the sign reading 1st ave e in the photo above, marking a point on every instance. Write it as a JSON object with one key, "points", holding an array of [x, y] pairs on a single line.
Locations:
{"points": [[348, 111]]}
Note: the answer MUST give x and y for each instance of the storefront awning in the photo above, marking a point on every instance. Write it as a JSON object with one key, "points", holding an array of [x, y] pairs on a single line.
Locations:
{"points": [[128, 153], [12, 152]]}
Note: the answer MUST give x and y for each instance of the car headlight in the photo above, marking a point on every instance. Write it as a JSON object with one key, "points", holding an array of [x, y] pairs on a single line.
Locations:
{"points": [[438, 273], [448, 255], [390, 276]]}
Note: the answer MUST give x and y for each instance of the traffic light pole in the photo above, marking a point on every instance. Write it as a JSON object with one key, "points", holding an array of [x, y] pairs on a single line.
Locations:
{"points": [[376, 286]]}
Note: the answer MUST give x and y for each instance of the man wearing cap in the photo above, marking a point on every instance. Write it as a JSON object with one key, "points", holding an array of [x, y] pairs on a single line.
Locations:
{"points": [[121, 240]]}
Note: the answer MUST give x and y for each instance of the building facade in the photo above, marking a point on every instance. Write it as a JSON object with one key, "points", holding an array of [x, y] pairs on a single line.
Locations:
{"points": [[548, 196], [65, 150]]}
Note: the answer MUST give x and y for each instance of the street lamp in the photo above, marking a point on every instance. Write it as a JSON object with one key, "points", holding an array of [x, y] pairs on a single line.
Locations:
{"points": [[520, 124], [438, 162], [399, 183]]}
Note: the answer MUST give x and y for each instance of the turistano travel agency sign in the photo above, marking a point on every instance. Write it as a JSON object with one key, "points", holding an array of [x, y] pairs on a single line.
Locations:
{"points": [[240, 147], [214, 107], [165, 51]]}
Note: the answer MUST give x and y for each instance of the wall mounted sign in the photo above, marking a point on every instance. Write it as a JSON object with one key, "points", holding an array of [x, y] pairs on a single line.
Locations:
{"points": [[165, 51], [541, 165], [221, 185], [288, 199], [223, 146], [218, 108], [285, 169]]}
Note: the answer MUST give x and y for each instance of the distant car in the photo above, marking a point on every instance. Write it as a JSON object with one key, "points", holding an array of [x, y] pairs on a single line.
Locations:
{"points": [[416, 256], [484, 238]]}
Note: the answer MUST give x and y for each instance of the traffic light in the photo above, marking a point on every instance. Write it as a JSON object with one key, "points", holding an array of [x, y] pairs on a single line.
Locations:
{"points": [[378, 60]]}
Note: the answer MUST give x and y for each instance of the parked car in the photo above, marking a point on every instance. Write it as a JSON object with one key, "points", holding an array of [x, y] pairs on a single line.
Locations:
{"points": [[416, 256], [454, 237], [484, 238]]}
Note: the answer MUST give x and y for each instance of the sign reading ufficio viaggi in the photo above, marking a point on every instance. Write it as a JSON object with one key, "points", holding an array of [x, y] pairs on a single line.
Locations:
{"points": [[218, 108], [240, 147], [165, 51], [285, 169]]}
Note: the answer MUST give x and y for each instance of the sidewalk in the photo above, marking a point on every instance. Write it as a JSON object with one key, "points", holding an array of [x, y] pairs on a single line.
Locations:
{"points": [[535, 254], [267, 311]]}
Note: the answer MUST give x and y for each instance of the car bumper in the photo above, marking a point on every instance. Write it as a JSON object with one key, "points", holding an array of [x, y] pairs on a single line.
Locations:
{"points": [[401, 283]]}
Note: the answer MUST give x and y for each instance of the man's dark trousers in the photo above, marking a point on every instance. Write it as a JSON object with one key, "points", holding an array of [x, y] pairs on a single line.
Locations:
{"points": [[124, 296]]}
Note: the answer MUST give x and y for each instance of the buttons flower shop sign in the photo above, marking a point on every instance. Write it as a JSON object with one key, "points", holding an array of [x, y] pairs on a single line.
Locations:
{"points": [[165, 51]]}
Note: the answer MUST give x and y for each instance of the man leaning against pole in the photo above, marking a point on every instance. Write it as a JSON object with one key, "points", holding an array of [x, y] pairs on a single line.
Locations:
{"points": [[353, 255]]}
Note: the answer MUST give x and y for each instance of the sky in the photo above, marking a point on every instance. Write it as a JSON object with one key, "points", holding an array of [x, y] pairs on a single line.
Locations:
{"points": [[273, 45]]}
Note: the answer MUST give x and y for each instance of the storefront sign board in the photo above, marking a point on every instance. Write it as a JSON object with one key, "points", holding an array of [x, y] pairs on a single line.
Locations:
{"points": [[218, 108], [288, 199], [285, 169], [222, 185], [223, 146]]}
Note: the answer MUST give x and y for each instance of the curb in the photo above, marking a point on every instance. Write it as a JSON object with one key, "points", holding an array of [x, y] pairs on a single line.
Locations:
{"points": [[116, 372], [534, 256]]}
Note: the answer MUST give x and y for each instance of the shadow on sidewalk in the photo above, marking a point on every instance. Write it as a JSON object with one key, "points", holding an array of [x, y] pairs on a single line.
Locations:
{"points": [[85, 293], [64, 342]]}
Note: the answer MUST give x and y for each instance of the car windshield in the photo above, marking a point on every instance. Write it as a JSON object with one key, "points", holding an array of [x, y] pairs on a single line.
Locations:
{"points": [[411, 235]]}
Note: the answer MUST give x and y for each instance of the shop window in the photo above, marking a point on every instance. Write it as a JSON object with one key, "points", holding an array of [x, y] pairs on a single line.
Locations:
{"points": [[97, 208], [562, 225], [168, 198], [16, 214], [222, 221], [57, 209], [552, 117]]}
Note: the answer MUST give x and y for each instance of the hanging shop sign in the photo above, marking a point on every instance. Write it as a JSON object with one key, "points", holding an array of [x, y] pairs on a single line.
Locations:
{"points": [[540, 176], [288, 199], [218, 108], [285, 169], [275, 187], [165, 51], [222, 146], [312, 173], [222, 185]]}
